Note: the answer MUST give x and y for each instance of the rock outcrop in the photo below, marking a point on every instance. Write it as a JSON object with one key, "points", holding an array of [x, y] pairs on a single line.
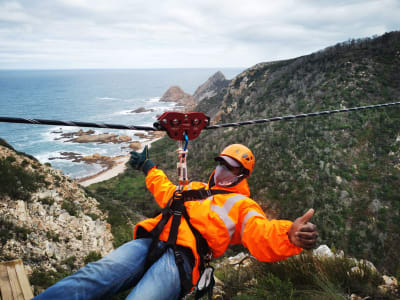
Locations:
{"points": [[141, 110], [176, 94], [211, 87], [47, 219]]}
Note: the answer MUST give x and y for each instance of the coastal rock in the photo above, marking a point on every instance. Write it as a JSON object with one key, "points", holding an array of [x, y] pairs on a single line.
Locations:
{"points": [[124, 138], [135, 146], [211, 87], [141, 110], [176, 94], [90, 137], [98, 138], [69, 135]]}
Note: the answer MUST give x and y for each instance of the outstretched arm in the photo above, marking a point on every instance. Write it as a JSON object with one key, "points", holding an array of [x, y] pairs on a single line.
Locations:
{"points": [[156, 180], [273, 240]]}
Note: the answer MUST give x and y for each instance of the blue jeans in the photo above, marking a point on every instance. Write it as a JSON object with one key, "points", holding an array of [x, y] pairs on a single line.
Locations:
{"points": [[123, 268]]}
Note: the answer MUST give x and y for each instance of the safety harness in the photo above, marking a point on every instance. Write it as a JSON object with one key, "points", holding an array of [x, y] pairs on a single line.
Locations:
{"points": [[175, 208]]}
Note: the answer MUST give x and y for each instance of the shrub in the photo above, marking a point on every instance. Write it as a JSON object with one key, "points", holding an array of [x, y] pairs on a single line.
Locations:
{"points": [[92, 256], [70, 207], [16, 182]]}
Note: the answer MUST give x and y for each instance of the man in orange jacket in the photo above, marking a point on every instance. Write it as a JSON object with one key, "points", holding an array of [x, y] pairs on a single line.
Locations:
{"points": [[168, 253], [225, 217]]}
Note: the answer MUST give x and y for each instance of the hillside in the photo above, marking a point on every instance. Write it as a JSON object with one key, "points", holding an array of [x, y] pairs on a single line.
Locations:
{"points": [[47, 219], [345, 166]]}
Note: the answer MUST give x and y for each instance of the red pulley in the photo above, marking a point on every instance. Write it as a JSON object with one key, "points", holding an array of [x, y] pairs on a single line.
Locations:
{"points": [[177, 124]]}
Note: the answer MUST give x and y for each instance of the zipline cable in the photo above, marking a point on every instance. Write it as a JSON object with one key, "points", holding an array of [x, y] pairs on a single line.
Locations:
{"points": [[74, 123], [290, 117], [148, 128]]}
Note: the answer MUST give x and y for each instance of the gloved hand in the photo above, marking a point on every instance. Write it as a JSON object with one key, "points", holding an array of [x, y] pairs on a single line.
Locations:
{"points": [[302, 233], [141, 161]]}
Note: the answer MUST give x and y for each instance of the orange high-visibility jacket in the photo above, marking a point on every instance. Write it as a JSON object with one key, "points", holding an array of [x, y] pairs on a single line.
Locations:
{"points": [[222, 219]]}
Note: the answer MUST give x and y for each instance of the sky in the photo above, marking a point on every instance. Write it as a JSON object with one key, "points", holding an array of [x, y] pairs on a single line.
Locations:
{"points": [[71, 34]]}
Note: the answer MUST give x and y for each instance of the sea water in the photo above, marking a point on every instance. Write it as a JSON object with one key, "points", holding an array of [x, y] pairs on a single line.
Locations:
{"points": [[106, 96]]}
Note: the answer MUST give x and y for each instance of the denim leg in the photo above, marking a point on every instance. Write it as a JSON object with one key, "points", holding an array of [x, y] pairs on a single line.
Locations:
{"points": [[161, 281], [120, 269]]}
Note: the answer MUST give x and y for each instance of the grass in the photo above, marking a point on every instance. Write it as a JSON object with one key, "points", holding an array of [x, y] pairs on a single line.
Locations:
{"points": [[302, 277]]}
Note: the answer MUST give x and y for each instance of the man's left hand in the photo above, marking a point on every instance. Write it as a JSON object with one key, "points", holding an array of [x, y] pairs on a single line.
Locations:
{"points": [[302, 233]]}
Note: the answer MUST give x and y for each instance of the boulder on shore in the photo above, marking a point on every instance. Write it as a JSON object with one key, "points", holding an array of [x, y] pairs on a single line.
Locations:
{"points": [[141, 110]]}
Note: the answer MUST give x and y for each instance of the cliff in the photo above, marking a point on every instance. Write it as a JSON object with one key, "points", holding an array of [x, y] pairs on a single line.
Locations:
{"points": [[176, 94], [47, 219], [211, 87]]}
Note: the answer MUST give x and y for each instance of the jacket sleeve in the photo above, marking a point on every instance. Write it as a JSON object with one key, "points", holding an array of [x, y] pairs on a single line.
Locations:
{"points": [[160, 186], [267, 240]]}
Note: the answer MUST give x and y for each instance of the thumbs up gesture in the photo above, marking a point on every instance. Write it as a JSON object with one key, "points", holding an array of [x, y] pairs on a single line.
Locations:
{"points": [[302, 233]]}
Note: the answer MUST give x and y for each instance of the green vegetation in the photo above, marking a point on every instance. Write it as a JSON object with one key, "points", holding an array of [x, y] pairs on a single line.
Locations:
{"points": [[71, 207], [92, 256], [9, 230], [17, 182], [47, 201], [302, 277]]}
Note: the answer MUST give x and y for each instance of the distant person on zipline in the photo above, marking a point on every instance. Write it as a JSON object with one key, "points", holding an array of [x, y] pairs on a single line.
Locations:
{"points": [[170, 253]]}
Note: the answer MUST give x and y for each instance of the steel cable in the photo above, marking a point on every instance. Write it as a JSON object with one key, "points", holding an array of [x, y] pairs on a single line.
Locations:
{"points": [[291, 117], [148, 128]]}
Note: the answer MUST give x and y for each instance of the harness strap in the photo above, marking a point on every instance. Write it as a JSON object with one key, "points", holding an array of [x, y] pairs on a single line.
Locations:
{"points": [[201, 194]]}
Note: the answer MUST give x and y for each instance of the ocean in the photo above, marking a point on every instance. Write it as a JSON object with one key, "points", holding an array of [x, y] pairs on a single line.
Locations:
{"points": [[106, 96]]}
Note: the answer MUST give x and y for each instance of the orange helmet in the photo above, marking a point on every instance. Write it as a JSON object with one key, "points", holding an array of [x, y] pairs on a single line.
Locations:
{"points": [[240, 154]]}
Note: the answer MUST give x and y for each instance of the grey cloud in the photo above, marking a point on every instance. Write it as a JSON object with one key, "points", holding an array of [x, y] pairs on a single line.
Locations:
{"points": [[170, 33]]}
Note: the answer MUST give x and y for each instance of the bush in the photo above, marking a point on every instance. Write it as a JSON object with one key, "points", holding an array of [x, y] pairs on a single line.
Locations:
{"points": [[16, 182], [9, 230], [92, 256], [309, 277], [70, 207]]}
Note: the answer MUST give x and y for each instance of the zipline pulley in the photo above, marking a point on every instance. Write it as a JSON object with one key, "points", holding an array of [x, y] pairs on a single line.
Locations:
{"points": [[182, 127], [178, 124]]}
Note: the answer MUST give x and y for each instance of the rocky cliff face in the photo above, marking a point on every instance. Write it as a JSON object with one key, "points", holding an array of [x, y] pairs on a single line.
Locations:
{"points": [[46, 218], [176, 94], [211, 87]]}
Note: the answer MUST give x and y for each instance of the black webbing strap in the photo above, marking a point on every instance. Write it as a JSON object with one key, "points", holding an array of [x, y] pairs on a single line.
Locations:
{"points": [[155, 252], [201, 194], [201, 244]]}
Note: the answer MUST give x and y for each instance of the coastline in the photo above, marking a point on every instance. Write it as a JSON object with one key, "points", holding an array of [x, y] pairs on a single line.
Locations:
{"points": [[111, 172]]}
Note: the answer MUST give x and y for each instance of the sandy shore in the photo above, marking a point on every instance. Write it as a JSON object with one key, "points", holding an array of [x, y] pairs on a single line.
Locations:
{"points": [[106, 174], [114, 171]]}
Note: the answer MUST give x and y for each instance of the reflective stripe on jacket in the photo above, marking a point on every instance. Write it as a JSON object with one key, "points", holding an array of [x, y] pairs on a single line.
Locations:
{"points": [[222, 219]]}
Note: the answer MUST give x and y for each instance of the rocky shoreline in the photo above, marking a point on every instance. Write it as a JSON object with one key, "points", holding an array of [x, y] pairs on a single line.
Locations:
{"points": [[183, 102]]}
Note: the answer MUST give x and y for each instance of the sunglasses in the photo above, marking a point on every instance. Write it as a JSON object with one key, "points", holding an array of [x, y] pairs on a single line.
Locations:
{"points": [[228, 166]]}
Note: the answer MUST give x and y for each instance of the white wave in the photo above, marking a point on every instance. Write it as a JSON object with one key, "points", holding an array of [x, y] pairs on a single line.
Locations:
{"points": [[44, 157], [106, 98], [154, 99], [123, 112]]}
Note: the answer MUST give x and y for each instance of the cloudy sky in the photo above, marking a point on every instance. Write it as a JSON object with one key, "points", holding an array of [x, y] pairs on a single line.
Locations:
{"points": [[52, 34]]}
